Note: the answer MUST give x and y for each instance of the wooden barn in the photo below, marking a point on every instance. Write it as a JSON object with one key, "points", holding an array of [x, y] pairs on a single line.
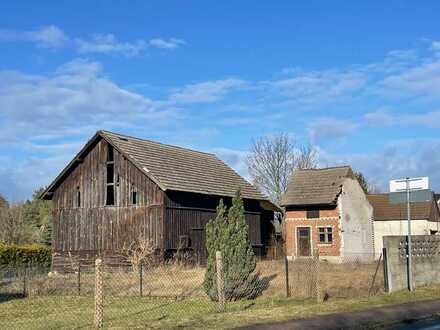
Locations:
{"points": [[119, 187]]}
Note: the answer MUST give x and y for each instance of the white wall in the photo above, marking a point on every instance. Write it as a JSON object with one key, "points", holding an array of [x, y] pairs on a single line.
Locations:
{"points": [[399, 228], [356, 215]]}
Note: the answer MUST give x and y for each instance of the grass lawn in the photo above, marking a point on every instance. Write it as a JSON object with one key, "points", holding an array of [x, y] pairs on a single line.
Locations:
{"points": [[54, 312]]}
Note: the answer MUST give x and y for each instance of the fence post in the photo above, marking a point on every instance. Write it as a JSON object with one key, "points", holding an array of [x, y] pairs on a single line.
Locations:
{"points": [[141, 283], [374, 276], [79, 277], [386, 271], [286, 267], [98, 294], [220, 280], [317, 286], [24, 281]]}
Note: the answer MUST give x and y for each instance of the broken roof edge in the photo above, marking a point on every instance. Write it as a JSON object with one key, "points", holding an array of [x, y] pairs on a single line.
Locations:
{"points": [[324, 168]]}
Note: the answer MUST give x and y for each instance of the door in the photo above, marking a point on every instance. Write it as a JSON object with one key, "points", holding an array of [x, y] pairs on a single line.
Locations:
{"points": [[198, 244], [303, 241]]}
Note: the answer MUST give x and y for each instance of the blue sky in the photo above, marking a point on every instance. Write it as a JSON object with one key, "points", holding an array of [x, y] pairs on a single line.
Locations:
{"points": [[359, 80]]}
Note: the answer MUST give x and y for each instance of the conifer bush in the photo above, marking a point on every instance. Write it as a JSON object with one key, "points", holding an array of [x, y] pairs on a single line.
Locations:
{"points": [[25, 255], [228, 233]]}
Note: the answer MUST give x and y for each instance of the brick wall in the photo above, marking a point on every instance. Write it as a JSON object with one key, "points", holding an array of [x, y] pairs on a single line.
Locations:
{"points": [[328, 218]]}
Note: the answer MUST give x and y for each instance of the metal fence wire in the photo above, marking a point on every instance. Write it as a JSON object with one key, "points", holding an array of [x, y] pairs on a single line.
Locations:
{"points": [[172, 294]]}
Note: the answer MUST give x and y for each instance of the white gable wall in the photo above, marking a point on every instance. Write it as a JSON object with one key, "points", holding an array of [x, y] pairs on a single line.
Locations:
{"points": [[356, 215]]}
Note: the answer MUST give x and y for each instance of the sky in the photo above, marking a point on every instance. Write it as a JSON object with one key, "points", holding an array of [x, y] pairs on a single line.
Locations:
{"points": [[360, 80]]}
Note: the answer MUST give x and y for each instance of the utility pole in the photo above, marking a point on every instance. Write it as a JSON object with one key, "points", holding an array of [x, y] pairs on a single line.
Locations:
{"points": [[408, 211]]}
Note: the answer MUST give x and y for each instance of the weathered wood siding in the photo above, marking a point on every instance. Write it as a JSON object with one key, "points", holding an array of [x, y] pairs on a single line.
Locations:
{"points": [[96, 227], [187, 212]]}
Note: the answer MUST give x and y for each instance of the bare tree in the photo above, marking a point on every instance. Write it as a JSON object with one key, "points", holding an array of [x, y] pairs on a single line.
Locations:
{"points": [[13, 225], [272, 160], [306, 157], [140, 251]]}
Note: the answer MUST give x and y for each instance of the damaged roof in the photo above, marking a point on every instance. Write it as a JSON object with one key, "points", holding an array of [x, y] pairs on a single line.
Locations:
{"points": [[316, 186]]}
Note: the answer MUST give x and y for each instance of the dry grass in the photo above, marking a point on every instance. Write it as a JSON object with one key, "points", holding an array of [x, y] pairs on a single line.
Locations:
{"points": [[177, 282]]}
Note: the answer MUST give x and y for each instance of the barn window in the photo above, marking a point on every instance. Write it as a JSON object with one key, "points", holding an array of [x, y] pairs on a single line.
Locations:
{"points": [[325, 235], [78, 197], [110, 183], [110, 154], [110, 200], [312, 214], [134, 197]]}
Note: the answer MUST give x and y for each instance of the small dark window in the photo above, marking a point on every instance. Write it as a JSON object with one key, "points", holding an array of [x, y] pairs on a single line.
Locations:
{"points": [[110, 196], [312, 214], [325, 234], [134, 198], [78, 197], [110, 154], [110, 182], [110, 173]]}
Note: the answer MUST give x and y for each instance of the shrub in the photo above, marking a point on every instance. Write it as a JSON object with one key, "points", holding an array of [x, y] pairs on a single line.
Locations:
{"points": [[229, 234], [25, 255]]}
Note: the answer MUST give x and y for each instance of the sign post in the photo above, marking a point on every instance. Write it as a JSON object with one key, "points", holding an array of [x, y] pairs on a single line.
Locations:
{"points": [[419, 187]]}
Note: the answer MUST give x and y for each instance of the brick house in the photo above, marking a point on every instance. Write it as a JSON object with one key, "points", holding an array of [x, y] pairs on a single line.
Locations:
{"points": [[326, 209]]}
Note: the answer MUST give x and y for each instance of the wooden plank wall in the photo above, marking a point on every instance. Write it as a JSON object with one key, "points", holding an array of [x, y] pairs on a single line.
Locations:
{"points": [[94, 226], [181, 221]]}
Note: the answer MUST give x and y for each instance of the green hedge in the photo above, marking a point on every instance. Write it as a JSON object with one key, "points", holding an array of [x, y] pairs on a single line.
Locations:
{"points": [[21, 255]]}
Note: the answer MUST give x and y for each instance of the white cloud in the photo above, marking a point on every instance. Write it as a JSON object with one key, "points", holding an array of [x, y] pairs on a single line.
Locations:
{"points": [[385, 117], [76, 95], [46, 37], [167, 44], [50, 37], [330, 129], [107, 43], [317, 86], [53, 37], [209, 91], [419, 81], [379, 117], [435, 45]]}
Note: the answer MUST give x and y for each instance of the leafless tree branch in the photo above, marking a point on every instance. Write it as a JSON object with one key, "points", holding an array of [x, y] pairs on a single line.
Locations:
{"points": [[272, 160]]}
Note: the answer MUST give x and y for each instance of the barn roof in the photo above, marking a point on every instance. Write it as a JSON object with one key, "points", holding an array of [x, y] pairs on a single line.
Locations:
{"points": [[316, 186], [175, 168], [383, 210]]}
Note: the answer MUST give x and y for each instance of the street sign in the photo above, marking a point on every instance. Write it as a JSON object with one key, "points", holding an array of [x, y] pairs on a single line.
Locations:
{"points": [[416, 196], [414, 184]]}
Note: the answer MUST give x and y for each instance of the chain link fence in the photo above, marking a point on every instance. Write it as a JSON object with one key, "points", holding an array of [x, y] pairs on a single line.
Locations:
{"points": [[172, 293]]}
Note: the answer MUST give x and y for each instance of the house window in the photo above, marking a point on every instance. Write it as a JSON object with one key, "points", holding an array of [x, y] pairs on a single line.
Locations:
{"points": [[325, 234], [312, 214], [78, 197], [110, 182]]}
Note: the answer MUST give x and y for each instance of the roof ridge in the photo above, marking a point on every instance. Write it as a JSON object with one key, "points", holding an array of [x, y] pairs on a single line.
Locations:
{"points": [[324, 168], [156, 142]]}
